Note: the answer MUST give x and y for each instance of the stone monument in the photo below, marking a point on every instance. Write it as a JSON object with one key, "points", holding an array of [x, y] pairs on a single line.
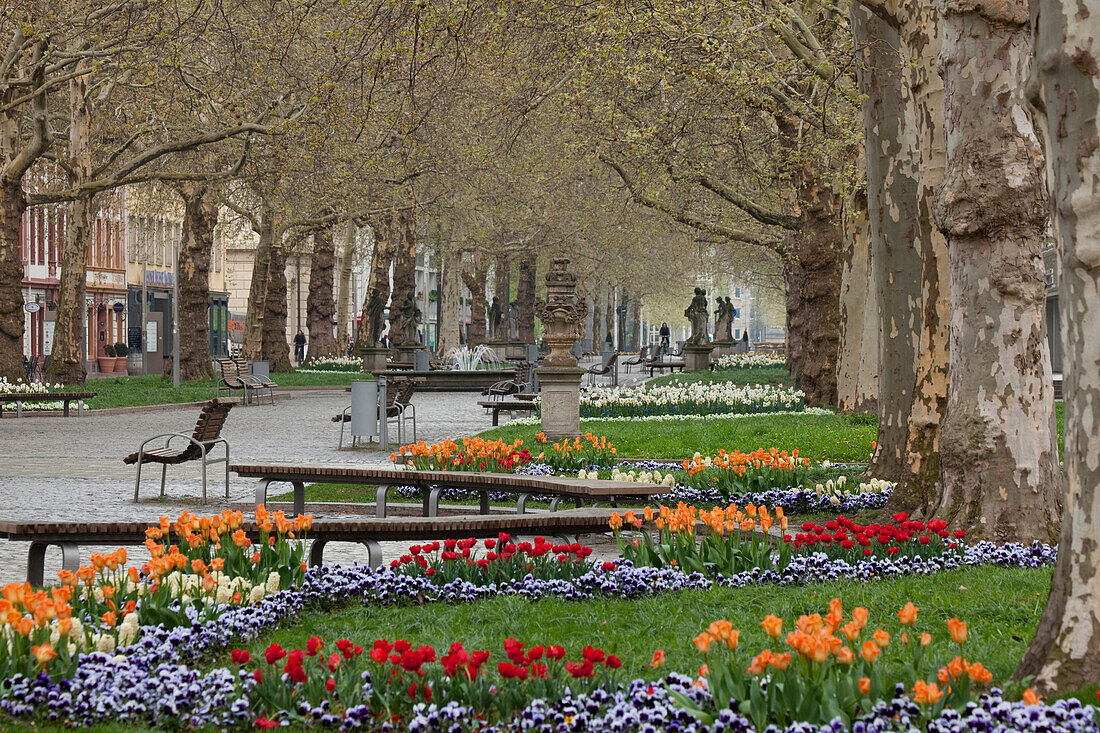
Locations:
{"points": [[698, 346], [374, 320], [514, 349], [562, 315], [408, 319], [723, 326]]}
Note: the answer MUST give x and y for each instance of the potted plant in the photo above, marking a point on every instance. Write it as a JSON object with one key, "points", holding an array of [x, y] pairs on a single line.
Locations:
{"points": [[106, 363], [121, 352]]}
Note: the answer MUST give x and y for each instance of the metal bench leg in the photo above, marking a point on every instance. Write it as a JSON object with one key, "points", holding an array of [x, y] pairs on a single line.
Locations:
{"points": [[316, 552], [496, 416], [137, 485], [299, 497], [204, 480], [340, 445], [554, 503], [164, 475], [80, 408], [431, 502], [18, 408], [36, 559], [374, 554], [484, 495], [261, 491], [521, 503], [569, 539], [227, 470], [380, 501], [65, 407]]}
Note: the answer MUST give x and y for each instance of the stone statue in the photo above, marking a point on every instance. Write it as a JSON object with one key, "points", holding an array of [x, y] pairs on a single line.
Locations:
{"points": [[731, 313], [496, 317], [698, 317], [562, 314], [410, 317], [376, 318], [721, 320], [512, 330]]}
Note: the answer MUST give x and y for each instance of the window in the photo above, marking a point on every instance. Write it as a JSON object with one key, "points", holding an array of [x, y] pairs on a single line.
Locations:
{"points": [[737, 293], [158, 228], [131, 237], [736, 334], [218, 248]]}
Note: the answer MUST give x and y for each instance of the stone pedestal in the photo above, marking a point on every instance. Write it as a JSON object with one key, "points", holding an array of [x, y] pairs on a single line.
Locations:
{"points": [[724, 348], [499, 348], [406, 353], [697, 358], [374, 359], [515, 350], [560, 388]]}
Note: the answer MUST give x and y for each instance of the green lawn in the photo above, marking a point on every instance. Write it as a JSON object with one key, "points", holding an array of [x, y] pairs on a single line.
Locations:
{"points": [[845, 438], [157, 390], [1001, 606], [769, 375]]}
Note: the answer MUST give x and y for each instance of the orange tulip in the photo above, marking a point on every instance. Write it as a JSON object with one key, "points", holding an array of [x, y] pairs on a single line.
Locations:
{"points": [[1030, 698], [870, 651], [845, 655], [860, 616], [926, 693], [925, 639], [957, 629], [881, 638], [780, 661], [864, 686], [773, 625], [658, 659], [43, 653], [702, 642], [908, 614]]}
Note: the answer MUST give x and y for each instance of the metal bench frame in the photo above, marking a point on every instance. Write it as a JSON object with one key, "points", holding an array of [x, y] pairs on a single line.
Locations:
{"points": [[203, 457]]}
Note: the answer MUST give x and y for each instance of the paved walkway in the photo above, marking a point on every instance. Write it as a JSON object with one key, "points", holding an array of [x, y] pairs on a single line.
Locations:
{"points": [[57, 469]]}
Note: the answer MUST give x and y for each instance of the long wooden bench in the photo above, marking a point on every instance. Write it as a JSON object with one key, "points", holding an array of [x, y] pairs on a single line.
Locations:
{"points": [[69, 536], [63, 397], [431, 483], [672, 365], [497, 406]]}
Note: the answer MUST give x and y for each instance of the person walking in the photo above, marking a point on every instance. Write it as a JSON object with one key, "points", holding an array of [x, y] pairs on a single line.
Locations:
{"points": [[666, 335], [299, 347]]}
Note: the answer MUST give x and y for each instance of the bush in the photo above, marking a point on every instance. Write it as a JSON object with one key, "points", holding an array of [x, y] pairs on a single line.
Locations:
{"points": [[122, 349]]}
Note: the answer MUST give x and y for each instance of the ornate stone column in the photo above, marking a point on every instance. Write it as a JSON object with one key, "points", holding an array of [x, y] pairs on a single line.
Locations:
{"points": [[562, 315]]}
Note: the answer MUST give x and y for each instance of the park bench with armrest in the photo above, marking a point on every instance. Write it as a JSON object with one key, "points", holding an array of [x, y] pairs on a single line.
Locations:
{"points": [[598, 370], [505, 387], [69, 536], [199, 445], [431, 483], [63, 397]]}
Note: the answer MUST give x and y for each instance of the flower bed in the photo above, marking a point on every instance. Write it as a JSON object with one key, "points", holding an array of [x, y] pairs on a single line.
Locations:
{"points": [[154, 680], [750, 361], [329, 364], [689, 399], [21, 387], [808, 411], [739, 473], [478, 454]]}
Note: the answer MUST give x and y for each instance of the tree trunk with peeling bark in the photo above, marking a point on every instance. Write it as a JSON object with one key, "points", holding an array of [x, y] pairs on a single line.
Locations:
{"points": [[276, 348], [320, 305], [597, 316], [343, 294], [200, 216], [12, 205], [67, 357], [525, 298], [450, 294], [476, 282], [502, 292], [380, 260], [1065, 88], [252, 346], [856, 371], [998, 449], [404, 273]]}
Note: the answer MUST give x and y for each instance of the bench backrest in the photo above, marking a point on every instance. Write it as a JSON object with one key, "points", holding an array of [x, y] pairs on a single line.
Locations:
{"points": [[228, 367], [210, 422]]}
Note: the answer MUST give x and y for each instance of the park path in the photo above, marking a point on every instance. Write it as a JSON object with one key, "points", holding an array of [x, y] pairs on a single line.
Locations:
{"points": [[58, 469]]}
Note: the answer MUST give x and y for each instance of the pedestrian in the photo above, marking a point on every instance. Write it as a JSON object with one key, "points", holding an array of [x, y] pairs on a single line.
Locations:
{"points": [[299, 347], [665, 335]]}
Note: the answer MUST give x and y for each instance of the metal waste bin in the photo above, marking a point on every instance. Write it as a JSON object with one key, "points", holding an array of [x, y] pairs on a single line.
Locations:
{"points": [[259, 369], [421, 361], [364, 409]]}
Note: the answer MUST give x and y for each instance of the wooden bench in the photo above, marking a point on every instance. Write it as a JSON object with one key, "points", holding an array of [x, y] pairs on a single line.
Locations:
{"points": [[63, 397], [496, 406], [672, 365], [69, 536], [431, 483]]}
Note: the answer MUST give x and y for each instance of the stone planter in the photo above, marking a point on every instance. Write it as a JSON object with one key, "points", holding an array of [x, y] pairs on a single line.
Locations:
{"points": [[105, 364], [119, 367]]}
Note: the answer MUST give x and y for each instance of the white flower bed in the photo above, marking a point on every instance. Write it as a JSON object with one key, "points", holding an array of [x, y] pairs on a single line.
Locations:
{"points": [[835, 489], [21, 387], [751, 361], [696, 398], [329, 364], [809, 411]]}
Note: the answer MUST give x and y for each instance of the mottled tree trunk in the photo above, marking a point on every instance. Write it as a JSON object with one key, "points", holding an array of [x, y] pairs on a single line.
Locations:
{"points": [[814, 295], [320, 305], [998, 451], [67, 358], [404, 272], [525, 298], [636, 324], [502, 292], [12, 205], [857, 363], [200, 216], [380, 260], [597, 316], [252, 347], [450, 299], [1065, 88], [276, 348], [343, 296], [476, 282], [608, 319]]}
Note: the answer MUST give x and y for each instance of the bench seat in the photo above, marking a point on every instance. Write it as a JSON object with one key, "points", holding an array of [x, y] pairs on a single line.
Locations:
{"points": [[498, 406], [69, 536], [431, 483], [63, 397]]}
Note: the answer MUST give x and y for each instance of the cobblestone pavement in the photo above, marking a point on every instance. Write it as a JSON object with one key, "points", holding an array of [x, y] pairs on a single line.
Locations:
{"points": [[57, 469]]}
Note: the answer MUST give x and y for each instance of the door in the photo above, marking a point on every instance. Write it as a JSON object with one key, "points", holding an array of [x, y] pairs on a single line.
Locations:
{"points": [[154, 340]]}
